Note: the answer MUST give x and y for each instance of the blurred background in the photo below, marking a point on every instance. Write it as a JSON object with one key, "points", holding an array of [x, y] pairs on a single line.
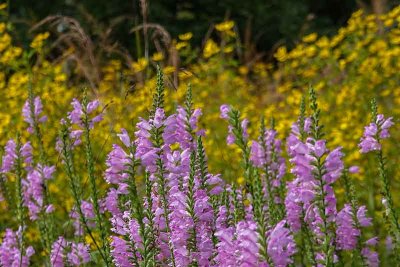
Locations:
{"points": [[262, 25]]}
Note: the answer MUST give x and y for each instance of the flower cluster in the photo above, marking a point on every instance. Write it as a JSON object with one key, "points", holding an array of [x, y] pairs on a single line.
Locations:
{"points": [[11, 252], [374, 132], [31, 113], [76, 116], [159, 204], [64, 252], [11, 154], [33, 190]]}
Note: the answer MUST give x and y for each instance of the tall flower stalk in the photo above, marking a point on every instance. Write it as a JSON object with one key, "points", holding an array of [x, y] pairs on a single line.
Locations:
{"points": [[351, 198], [326, 224], [32, 115], [265, 154], [150, 150], [87, 108], [372, 138], [239, 135], [65, 147], [19, 195], [5, 190]]}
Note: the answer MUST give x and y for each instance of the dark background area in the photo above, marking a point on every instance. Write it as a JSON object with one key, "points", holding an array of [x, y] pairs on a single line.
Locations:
{"points": [[261, 23]]}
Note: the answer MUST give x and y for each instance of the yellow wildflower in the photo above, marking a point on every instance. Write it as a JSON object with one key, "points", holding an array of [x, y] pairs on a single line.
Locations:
{"points": [[323, 42], [140, 65], [228, 49], [324, 53], [342, 64], [168, 70], [246, 202], [2, 27], [310, 51], [157, 56], [389, 22], [39, 39], [243, 70], [240, 180], [181, 45], [310, 38], [175, 146], [225, 26], [210, 48], [281, 54], [5, 41], [185, 74], [90, 241], [186, 36]]}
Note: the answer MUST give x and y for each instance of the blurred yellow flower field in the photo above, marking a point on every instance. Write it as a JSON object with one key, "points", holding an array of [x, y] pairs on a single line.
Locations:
{"points": [[348, 69]]}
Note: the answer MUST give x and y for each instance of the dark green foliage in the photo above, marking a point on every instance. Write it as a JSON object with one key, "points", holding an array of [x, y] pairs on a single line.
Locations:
{"points": [[267, 22]]}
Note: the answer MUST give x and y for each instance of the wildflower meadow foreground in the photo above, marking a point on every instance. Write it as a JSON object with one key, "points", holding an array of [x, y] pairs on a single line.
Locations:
{"points": [[156, 203]]}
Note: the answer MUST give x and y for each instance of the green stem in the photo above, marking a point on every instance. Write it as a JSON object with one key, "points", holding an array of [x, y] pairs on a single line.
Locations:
{"points": [[75, 186], [137, 210], [190, 200], [310, 251], [272, 208], [92, 180], [4, 188], [46, 221], [163, 186], [19, 195], [253, 182], [388, 196], [351, 198], [150, 229], [317, 134]]}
